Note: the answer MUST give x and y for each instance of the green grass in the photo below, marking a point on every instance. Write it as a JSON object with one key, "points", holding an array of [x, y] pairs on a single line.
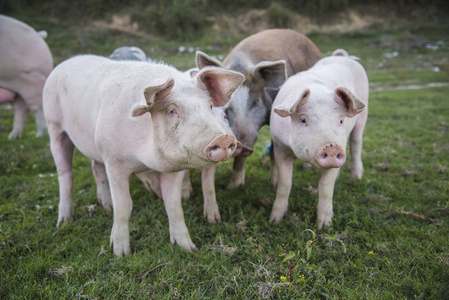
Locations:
{"points": [[392, 238]]}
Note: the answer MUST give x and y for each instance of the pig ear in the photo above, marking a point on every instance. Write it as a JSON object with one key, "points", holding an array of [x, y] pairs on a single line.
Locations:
{"points": [[274, 73], [193, 73], [352, 104], [285, 112], [219, 83], [153, 94], [204, 60], [271, 93]]}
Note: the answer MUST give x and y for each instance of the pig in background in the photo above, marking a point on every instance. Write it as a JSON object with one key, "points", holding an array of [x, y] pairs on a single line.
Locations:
{"points": [[314, 114], [266, 59], [128, 117], [26, 62], [130, 53]]}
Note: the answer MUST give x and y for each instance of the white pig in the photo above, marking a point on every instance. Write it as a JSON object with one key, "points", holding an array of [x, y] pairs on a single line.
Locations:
{"points": [[25, 62], [314, 114], [129, 117]]}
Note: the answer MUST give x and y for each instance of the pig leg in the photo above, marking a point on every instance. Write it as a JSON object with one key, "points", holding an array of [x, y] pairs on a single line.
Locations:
{"points": [[187, 189], [325, 193], [62, 150], [101, 179], [238, 173], [122, 205], [284, 165], [210, 209], [274, 175], [171, 186], [20, 116], [40, 122], [32, 95], [151, 180], [355, 141]]}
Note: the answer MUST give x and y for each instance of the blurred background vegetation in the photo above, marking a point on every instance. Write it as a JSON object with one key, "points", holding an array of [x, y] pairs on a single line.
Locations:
{"points": [[190, 19]]}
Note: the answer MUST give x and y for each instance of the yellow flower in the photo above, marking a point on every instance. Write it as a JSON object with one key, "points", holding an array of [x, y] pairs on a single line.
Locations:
{"points": [[302, 277], [371, 253], [283, 278]]}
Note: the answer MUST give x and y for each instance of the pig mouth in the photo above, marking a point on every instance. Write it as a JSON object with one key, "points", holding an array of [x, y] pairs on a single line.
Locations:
{"points": [[243, 152]]}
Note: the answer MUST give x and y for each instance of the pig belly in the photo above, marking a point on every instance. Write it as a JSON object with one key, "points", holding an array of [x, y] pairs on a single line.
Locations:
{"points": [[6, 95]]}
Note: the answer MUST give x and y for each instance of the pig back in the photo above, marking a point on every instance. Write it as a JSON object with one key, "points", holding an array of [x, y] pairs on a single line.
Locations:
{"points": [[299, 52], [23, 51]]}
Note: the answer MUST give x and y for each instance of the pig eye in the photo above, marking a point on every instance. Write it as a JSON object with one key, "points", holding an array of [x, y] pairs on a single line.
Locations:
{"points": [[211, 106], [303, 119], [341, 120], [172, 112]]}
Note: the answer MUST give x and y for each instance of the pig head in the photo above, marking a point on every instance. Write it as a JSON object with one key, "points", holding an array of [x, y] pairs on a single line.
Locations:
{"points": [[25, 62], [266, 59]]}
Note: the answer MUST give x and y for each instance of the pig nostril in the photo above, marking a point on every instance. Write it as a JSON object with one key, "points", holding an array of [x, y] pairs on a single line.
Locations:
{"points": [[325, 155], [214, 148], [231, 146], [338, 155]]}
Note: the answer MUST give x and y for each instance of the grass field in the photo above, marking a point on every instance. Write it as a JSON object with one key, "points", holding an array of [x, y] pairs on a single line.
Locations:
{"points": [[389, 238]]}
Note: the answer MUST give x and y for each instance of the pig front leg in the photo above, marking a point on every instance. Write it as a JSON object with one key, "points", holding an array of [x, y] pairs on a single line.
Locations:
{"points": [[122, 205], [210, 209], [238, 173], [171, 187], [62, 150], [20, 115], [284, 165], [325, 194], [101, 179]]}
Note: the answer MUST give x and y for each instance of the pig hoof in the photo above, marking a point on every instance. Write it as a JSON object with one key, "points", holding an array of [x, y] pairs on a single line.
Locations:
{"points": [[60, 222], [14, 135], [324, 222], [107, 206], [276, 217], [188, 246], [120, 248], [234, 184], [213, 218]]}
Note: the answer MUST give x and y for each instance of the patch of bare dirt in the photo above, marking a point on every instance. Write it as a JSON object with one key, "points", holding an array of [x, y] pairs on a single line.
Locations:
{"points": [[257, 20], [122, 23]]}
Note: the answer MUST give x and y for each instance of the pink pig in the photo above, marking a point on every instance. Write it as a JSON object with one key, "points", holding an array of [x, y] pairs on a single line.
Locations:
{"points": [[314, 114], [25, 62], [129, 117]]}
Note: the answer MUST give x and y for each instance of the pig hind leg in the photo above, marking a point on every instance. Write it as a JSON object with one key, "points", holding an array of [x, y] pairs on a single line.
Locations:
{"points": [[356, 148], [20, 116], [101, 179], [62, 150], [187, 189]]}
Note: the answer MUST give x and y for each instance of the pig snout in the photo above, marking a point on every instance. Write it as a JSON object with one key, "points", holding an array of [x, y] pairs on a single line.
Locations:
{"points": [[331, 156], [221, 148]]}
